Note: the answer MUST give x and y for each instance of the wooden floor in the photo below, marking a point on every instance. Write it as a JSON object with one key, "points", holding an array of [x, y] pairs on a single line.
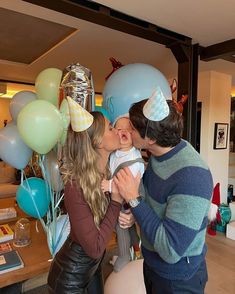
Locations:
{"points": [[220, 263]]}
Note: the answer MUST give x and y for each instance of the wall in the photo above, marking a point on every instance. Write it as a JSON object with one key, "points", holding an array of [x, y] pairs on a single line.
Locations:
{"points": [[4, 111], [214, 92]]}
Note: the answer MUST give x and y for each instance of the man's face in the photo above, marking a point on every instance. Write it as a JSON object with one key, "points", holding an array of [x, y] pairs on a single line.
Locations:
{"points": [[137, 140]]}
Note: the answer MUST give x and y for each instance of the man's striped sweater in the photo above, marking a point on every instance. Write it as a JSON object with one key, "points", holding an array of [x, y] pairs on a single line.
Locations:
{"points": [[173, 215]]}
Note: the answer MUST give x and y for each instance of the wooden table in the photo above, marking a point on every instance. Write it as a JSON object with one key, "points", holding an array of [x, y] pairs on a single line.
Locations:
{"points": [[36, 256]]}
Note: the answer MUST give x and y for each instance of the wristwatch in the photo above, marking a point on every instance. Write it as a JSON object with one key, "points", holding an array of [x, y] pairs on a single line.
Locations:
{"points": [[135, 202]]}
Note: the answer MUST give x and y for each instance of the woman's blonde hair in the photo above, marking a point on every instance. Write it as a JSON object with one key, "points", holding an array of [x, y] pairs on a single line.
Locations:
{"points": [[80, 158]]}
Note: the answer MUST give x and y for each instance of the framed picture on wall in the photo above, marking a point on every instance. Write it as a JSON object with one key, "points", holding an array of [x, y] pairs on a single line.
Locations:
{"points": [[221, 135]]}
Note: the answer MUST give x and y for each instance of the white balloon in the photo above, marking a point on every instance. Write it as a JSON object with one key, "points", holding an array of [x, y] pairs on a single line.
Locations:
{"points": [[19, 100], [129, 280]]}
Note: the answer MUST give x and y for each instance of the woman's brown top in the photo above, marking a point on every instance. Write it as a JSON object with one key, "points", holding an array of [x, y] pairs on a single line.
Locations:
{"points": [[83, 228]]}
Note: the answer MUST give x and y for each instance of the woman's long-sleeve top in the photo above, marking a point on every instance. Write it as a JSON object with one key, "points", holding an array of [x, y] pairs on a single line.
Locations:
{"points": [[83, 228]]}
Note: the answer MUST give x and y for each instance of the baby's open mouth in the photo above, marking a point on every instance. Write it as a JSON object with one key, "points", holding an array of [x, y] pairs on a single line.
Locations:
{"points": [[124, 137]]}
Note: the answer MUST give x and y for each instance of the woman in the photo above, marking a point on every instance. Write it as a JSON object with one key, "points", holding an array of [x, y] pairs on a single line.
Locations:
{"points": [[76, 268]]}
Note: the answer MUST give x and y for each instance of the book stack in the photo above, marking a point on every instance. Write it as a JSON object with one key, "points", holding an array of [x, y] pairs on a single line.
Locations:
{"points": [[6, 233], [7, 213], [9, 259]]}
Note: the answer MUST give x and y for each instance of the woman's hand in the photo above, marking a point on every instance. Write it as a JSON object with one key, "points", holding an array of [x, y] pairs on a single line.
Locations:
{"points": [[115, 195], [126, 219], [127, 184]]}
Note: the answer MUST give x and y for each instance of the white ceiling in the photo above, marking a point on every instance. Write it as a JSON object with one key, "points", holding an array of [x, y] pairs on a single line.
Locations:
{"points": [[206, 22]]}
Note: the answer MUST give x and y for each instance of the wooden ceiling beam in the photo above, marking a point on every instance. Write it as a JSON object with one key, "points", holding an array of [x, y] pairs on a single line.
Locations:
{"points": [[220, 50], [229, 58], [105, 16], [181, 52]]}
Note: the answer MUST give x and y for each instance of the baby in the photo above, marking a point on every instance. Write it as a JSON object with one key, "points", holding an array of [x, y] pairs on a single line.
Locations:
{"points": [[129, 156]]}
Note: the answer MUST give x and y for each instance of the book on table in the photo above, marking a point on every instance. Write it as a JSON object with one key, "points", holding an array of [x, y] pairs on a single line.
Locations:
{"points": [[10, 261], [7, 213], [6, 233], [5, 247]]}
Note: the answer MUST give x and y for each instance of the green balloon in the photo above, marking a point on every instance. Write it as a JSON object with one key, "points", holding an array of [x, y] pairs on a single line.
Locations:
{"points": [[40, 125], [64, 110], [47, 85]]}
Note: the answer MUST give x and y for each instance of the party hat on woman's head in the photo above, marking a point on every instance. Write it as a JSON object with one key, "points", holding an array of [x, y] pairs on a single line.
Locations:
{"points": [[81, 119], [156, 108]]}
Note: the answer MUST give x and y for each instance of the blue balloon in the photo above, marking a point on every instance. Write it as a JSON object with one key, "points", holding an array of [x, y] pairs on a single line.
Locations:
{"points": [[103, 110], [61, 233], [132, 83], [12, 148], [33, 195]]}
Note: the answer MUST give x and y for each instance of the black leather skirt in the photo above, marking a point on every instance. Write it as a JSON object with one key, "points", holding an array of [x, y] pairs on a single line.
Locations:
{"points": [[73, 271]]}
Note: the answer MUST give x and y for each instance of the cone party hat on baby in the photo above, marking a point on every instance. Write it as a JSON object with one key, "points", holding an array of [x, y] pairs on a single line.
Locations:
{"points": [[81, 119], [156, 108]]}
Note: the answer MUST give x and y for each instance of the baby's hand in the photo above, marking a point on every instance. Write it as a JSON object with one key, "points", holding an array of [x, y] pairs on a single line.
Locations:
{"points": [[105, 185]]}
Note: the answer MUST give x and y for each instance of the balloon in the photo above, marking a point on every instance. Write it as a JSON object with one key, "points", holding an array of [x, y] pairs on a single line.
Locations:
{"points": [[129, 280], [62, 231], [132, 83], [40, 125], [64, 110], [12, 149], [77, 83], [33, 195], [103, 110], [19, 100], [47, 85], [52, 171]]}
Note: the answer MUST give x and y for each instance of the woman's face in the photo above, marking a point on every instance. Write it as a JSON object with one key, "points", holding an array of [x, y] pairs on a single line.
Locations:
{"points": [[110, 140]]}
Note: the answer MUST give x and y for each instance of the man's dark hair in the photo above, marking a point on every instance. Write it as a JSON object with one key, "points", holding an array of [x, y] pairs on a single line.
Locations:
{"points": [[166, 132]]}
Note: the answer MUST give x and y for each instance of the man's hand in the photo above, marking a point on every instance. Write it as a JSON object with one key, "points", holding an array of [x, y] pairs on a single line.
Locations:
{"points": [[127, 184]]}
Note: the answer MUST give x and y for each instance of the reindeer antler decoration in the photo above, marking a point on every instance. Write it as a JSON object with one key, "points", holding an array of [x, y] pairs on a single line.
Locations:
{"points": [[115, 64], [178, 104]]}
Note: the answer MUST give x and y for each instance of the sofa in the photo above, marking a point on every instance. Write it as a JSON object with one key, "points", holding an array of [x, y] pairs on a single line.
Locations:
{"points": [[8, 184]]}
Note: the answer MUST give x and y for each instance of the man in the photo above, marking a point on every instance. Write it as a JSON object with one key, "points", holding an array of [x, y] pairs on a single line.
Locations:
{"points": [[172, 210]]}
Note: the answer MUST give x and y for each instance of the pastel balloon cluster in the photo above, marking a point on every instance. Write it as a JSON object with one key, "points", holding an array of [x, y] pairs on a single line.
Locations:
{"points": [[37, 125], [40, 122]]}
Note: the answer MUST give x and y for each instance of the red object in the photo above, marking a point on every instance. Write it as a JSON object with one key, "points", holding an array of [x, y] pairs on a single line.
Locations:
{"points": [[216, 195], [115, 64], [216, 200], [211, 230], [180, 104]]}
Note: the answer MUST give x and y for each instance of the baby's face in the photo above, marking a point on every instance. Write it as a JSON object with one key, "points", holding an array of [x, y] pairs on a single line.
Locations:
{"points": [[124, 131]]}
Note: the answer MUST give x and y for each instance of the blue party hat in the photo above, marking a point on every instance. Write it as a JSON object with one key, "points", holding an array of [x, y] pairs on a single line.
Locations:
{"points": [[156, 108]]}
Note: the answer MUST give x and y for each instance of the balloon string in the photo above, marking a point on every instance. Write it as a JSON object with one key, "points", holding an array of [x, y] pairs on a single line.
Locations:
{"points": [[58, 202], [36, 226], [51, 215], [46, 175], [26, 186]]}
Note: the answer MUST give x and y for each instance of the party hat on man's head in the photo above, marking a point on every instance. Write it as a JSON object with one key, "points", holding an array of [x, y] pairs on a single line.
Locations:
{"points": [[81, 119], [156, 108]]}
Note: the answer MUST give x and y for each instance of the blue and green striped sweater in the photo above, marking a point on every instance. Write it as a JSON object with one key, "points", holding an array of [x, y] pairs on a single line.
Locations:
{"points": [[173, 216]]}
